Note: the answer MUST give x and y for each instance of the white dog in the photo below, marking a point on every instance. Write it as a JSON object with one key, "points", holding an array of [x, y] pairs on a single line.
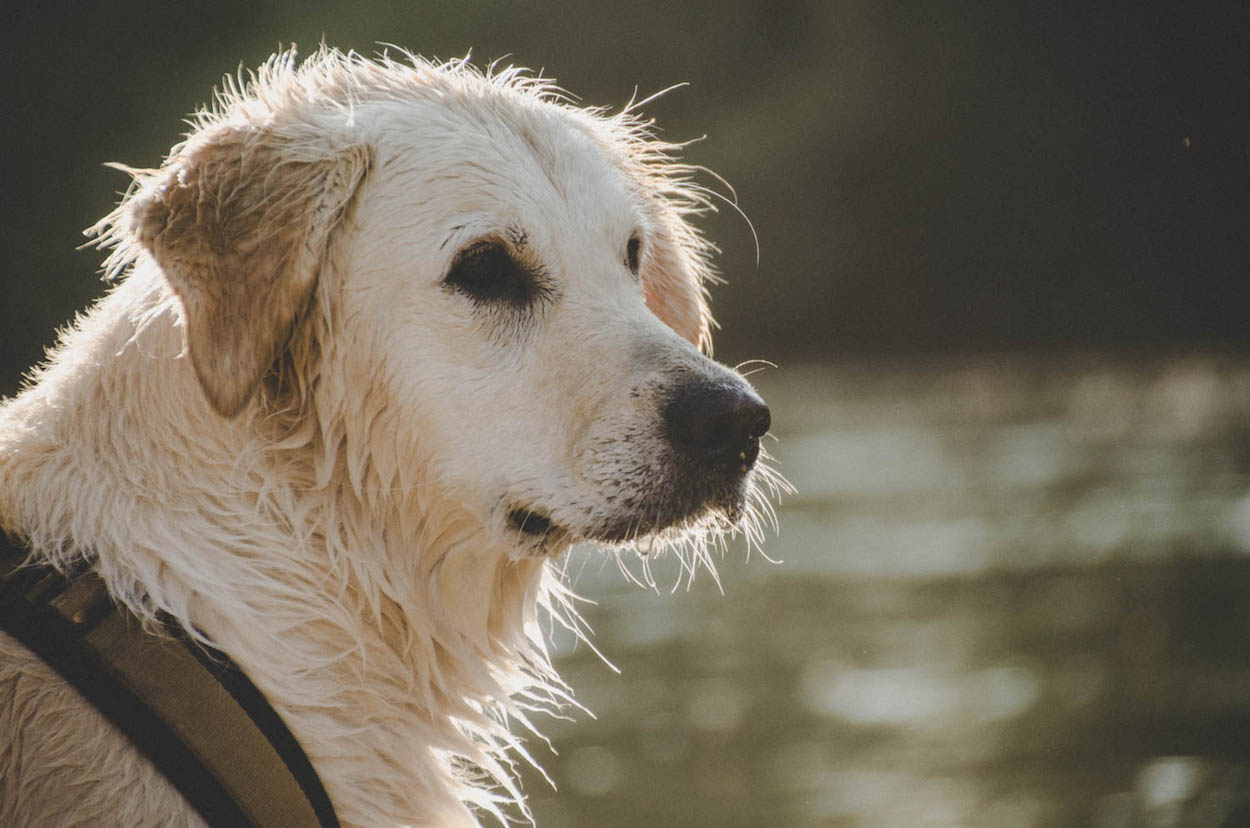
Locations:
{"points": [[391, 337]]}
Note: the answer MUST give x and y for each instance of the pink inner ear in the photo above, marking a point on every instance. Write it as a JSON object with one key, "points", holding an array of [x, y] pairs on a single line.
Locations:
{"points": [[650, 297], [687, 322]]}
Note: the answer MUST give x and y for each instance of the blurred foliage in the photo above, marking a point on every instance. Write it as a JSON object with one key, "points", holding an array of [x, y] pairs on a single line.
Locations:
{"points": [[937, 176], [924, 177]]}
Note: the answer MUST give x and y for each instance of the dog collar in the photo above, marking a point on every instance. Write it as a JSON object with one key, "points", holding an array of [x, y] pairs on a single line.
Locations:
{"points": [[189, 709]]}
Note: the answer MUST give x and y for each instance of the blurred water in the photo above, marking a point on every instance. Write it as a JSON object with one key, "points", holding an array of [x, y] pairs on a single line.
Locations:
{"points": [[1013, 593]]}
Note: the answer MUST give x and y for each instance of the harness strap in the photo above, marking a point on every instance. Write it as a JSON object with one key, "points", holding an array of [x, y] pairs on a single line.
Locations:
{"points": [[195, 715]]}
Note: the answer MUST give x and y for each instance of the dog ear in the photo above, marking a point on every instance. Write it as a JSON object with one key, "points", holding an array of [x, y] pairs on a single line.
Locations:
{"points": [[239, 221], [673, 278]]}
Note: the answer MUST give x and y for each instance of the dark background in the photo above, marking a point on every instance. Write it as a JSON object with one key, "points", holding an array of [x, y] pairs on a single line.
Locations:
{"points": [[1002, 266], [924, 178]]}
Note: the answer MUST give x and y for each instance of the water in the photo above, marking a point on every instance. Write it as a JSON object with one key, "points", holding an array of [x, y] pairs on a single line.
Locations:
{"points": [[1013, 593]]}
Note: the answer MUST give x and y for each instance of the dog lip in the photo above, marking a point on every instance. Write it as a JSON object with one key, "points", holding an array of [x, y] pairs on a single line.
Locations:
{"points": [[531, 522], [729, 505]]}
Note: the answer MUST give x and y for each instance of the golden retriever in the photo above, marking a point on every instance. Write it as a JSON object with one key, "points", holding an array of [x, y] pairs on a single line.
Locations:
{"points": [[386, 338]]}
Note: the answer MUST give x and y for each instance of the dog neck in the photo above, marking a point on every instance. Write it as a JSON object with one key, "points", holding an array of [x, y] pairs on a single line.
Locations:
{"points": [[389, 629]]}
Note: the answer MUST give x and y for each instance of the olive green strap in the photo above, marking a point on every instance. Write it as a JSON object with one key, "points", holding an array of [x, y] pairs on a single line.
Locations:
{"points": [[242, 747]]}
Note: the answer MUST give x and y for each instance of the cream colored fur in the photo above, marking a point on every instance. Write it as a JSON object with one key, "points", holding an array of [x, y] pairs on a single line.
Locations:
{"points": [[281, 429]]}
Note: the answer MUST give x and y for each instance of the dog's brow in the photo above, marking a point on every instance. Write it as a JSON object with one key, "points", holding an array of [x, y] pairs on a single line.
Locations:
{"points": [[451, 235], [515, 235]]}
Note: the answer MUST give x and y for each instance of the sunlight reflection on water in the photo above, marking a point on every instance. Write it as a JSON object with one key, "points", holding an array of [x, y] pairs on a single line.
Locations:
{"points": [[1014, 593]]}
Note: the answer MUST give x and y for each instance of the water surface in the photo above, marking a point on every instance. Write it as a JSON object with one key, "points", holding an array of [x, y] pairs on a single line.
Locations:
{"points": [[1013, 592]]}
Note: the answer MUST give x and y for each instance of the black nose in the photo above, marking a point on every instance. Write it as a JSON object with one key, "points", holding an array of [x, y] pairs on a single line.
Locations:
{"points": [[719, 421]]}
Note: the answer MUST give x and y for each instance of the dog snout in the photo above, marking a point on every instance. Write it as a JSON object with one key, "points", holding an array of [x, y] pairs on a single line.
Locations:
{"points": [[718, 422]]}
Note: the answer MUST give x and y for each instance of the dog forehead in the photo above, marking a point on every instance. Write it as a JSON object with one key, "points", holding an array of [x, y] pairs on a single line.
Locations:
{"points": [[505, 154]]}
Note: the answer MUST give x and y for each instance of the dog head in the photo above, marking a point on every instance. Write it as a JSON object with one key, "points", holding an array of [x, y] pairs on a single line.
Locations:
{"points": [[513, 282]]}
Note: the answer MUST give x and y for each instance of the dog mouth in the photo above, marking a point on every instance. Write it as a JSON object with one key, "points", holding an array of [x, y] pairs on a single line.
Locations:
{"points": [[533, 523], [695, 501], [724, 508], [695, 516]]}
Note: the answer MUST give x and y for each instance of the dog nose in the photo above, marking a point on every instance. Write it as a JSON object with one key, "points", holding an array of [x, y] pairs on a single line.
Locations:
{"points": [[721, 421]]}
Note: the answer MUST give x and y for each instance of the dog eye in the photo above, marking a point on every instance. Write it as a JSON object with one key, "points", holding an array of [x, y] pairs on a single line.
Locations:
{"points": [[632, 251], [485, 272]]}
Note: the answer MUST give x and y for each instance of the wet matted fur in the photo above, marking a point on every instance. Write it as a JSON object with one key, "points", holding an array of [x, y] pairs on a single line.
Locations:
{"points": [[386, 338]]}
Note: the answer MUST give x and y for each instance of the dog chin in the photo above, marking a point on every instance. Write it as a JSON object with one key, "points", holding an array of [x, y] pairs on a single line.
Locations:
{"points": [[720, 515], [671, 519], [671, 514]]}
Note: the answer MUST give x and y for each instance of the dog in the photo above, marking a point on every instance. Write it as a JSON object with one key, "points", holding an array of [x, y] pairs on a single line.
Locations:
{"points": [[384, 338]]}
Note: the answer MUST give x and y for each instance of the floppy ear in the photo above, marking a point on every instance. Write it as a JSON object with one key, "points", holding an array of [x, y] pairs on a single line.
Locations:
{"points": [[672, 279], [239, 221]]}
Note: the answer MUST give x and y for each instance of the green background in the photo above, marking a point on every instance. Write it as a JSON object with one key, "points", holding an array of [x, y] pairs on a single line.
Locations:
{"points": [[923, 177], [1002, 267]]}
